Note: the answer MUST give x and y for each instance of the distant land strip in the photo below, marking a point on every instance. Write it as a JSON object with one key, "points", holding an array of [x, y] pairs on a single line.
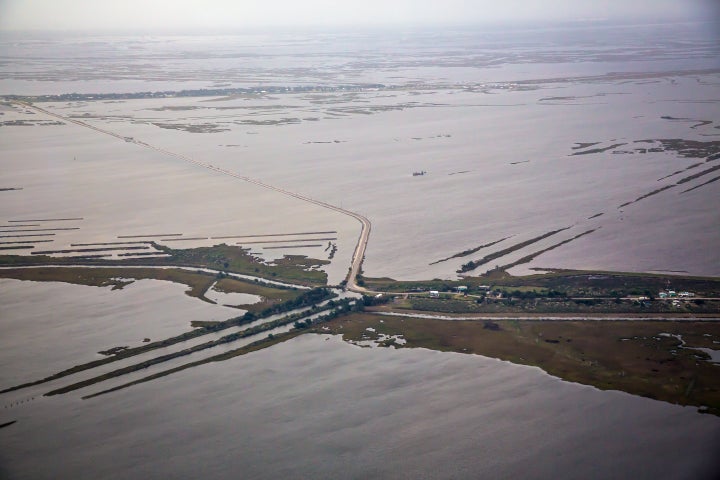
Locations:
{"points": [[47, 220], [701, 185], [81, 250], [274, 235], [619, 76], [465, 253], [40, 230], [201, 92], [182, 239], [649, 194], [286, 241], [106, 243], [23, 225], [292, 246], [17, 247], [144, 254], [583, 145], [9, 189], [699, 174], [26, 241], [152, 235], [474, 264], [598, 150], [694, 165], [679, 182], [532, 256], [31, 235]]}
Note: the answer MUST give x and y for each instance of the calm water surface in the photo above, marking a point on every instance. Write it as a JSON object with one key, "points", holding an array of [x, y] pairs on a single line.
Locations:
{"points": [[316, 407]]}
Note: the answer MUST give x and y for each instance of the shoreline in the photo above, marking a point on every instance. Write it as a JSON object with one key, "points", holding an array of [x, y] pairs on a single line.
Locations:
{"points": [[662, 360]]}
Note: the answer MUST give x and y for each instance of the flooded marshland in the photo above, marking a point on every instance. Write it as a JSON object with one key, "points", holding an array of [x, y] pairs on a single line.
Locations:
{"points": [[598, 134], [50, 326], [585, 148]]}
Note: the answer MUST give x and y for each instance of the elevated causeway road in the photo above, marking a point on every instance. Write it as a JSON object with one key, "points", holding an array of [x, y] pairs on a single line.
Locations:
{"points": [[358, 254]]}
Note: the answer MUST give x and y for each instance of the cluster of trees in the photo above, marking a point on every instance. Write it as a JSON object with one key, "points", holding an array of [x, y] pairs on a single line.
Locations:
{"points": [[306, 299], [339, 307], [370, 301]]}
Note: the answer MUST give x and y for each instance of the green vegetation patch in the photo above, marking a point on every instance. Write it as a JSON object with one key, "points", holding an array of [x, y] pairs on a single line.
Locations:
{"points": [[531, 302], [639, 357], [229, 258], [116, 277], [566, 282], [292, 268]]}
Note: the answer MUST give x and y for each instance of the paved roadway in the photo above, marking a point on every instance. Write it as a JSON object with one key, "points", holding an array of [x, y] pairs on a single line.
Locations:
{"points": [[358, 254]]}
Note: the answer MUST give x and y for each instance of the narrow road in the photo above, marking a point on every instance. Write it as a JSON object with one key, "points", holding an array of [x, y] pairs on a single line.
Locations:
{"points": [[358, 254]]}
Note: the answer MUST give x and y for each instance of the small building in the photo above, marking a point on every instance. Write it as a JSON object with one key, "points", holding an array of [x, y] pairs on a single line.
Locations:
{"points": [[663, 295], [461, 288], [484, 287], [434, 293], [686, 294]]}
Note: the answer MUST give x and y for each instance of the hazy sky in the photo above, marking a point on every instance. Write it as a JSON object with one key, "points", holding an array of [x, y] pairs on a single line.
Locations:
{"points": [[201, 14]]}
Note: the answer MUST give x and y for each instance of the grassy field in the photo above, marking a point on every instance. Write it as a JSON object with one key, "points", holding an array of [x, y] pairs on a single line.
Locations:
{"points": [[269, 294], [562, 291], [568, 282], [291, 268], [631, 356]]}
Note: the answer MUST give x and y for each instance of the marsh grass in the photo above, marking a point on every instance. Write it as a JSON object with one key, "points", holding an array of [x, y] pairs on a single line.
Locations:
{"points": [[629, 356]]}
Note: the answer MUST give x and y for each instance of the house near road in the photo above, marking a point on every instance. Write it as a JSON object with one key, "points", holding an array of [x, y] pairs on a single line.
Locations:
{"points": [[434, 293]]}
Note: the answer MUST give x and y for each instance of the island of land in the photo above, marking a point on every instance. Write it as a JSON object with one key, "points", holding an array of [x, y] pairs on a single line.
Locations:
{"points": [[646, 334]]}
